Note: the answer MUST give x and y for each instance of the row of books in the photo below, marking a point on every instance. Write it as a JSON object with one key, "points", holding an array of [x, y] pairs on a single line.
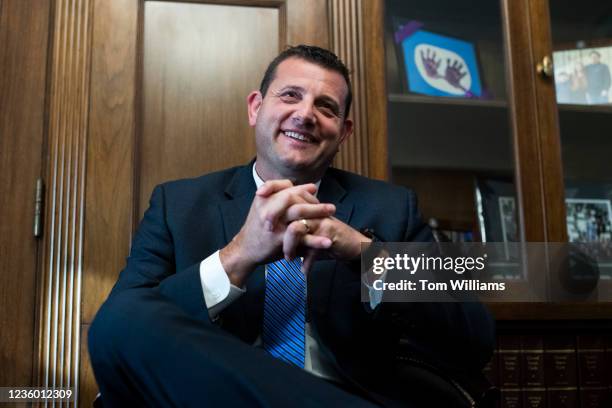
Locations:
{"points": [[553, 371]]}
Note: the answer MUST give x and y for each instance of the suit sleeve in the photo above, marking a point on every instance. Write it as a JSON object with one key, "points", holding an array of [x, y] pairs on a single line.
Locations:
{"points": [[460, 333], [151, 263]]}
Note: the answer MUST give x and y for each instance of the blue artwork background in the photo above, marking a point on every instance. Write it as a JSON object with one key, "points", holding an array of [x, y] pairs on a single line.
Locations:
{"points": [[416, 83]]}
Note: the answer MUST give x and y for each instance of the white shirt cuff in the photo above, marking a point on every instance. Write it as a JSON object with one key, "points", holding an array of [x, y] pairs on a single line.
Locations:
{"points": [[218, 290], [375, 295]]}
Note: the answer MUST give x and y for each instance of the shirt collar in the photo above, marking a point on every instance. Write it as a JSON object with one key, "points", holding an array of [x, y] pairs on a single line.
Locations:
{"points": [[259, 182]]}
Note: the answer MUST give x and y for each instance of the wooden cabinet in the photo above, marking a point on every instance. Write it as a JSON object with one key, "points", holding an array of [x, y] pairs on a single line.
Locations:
{"points": [[499, 127], [494, 156], [542, 165]]}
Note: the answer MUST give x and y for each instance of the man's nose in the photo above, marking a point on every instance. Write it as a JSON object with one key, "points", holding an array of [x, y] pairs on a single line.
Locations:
{"points": [[304, 115]]}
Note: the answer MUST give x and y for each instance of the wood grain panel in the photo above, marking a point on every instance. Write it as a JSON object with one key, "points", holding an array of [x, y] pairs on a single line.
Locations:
{"points": [[63, 252], [194, 91], [24, 26], [356, 35], [347, 42], [548, 121], [110, 152], [110, 163], [88, 388], [524, 119], [551, 311], [374, 47], [306, 23]]}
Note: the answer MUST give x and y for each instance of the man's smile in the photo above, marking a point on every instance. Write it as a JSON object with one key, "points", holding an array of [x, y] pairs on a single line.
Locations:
{"points": [[302, 137]]}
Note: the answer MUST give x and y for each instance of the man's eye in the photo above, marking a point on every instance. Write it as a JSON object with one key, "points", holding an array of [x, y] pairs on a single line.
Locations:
{"points": [[328, 110], [290, 95]]}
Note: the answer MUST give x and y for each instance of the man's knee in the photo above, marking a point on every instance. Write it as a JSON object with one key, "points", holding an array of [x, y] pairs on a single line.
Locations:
{"points": [[102, 332], [118, 317]]}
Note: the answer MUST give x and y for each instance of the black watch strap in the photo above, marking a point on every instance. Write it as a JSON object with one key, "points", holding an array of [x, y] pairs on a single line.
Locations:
{"points": [[369, 232]]}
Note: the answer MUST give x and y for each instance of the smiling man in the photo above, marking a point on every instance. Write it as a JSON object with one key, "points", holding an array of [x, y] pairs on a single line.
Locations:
{"points": [[300, 120], [243, 286]]}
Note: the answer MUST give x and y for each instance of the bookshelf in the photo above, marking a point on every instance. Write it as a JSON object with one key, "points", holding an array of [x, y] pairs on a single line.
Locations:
{"points": [[515, 132]]}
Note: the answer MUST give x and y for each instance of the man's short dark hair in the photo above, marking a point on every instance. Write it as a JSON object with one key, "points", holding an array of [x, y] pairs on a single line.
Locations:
{"points": [[316, 55]]}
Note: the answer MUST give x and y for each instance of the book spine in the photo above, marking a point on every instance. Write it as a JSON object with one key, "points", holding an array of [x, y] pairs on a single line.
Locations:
{"points": [[592, 381], [509, 361], [560, 371], [532, 371], [511, 398], [534, 398]]}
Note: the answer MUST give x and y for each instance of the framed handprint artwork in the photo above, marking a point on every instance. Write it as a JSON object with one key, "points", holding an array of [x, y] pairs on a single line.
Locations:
{"points": [[439, 65]]}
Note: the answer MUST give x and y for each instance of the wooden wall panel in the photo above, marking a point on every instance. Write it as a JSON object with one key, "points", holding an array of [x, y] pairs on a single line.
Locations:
{"points": [[194, 91], [346, 31], [305, 23], [110, 168], [24, 26], [356, 36], [375, 74], [60, 295], [88, 388], [110, 151]]}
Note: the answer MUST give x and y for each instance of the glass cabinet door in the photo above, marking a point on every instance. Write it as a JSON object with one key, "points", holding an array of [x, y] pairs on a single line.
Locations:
{"points": [[582, 55], [448, 117], [472, 125]]}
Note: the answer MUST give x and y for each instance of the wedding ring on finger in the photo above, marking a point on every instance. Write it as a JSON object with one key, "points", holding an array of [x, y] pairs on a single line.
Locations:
{"points": [[303, 221]]}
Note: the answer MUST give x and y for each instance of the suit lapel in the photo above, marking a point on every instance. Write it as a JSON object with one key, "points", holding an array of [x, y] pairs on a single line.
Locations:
{"points": [[332, 192], [244, 317], [240, 192], [320, 278]]}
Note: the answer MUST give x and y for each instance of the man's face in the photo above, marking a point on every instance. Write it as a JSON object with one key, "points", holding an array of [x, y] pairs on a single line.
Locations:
{"points": [[300, 123], [595, 58]]}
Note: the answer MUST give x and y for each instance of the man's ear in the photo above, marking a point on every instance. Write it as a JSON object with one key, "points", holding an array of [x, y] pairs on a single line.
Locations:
{"points": [[254, 101], [347, 131]]}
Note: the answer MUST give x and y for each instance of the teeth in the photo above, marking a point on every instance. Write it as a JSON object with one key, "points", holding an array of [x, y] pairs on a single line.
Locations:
{"points": [[295, 135]]}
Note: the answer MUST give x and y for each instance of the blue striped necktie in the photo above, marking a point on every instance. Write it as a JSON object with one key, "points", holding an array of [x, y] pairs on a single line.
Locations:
{"points": [[285, 311]]}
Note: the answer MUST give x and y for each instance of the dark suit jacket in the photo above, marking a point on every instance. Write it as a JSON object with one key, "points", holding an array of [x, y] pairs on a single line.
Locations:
{"points": [[188, 220]]}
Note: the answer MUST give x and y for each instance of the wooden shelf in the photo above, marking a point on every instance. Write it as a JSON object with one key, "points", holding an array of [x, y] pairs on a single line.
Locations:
{"points": [[445, 101], [494, 103], [564, 107], [550, 311]]}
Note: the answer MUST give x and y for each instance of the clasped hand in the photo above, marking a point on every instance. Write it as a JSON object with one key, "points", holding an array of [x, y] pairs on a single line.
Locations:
{"points": [[274, 228]]}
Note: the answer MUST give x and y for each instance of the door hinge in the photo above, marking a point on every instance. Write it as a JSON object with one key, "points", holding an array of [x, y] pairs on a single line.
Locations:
{"points": [[38, 207]]}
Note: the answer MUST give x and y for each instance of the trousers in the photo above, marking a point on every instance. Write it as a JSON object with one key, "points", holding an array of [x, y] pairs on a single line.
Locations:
{"points": [[147, 351]]}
